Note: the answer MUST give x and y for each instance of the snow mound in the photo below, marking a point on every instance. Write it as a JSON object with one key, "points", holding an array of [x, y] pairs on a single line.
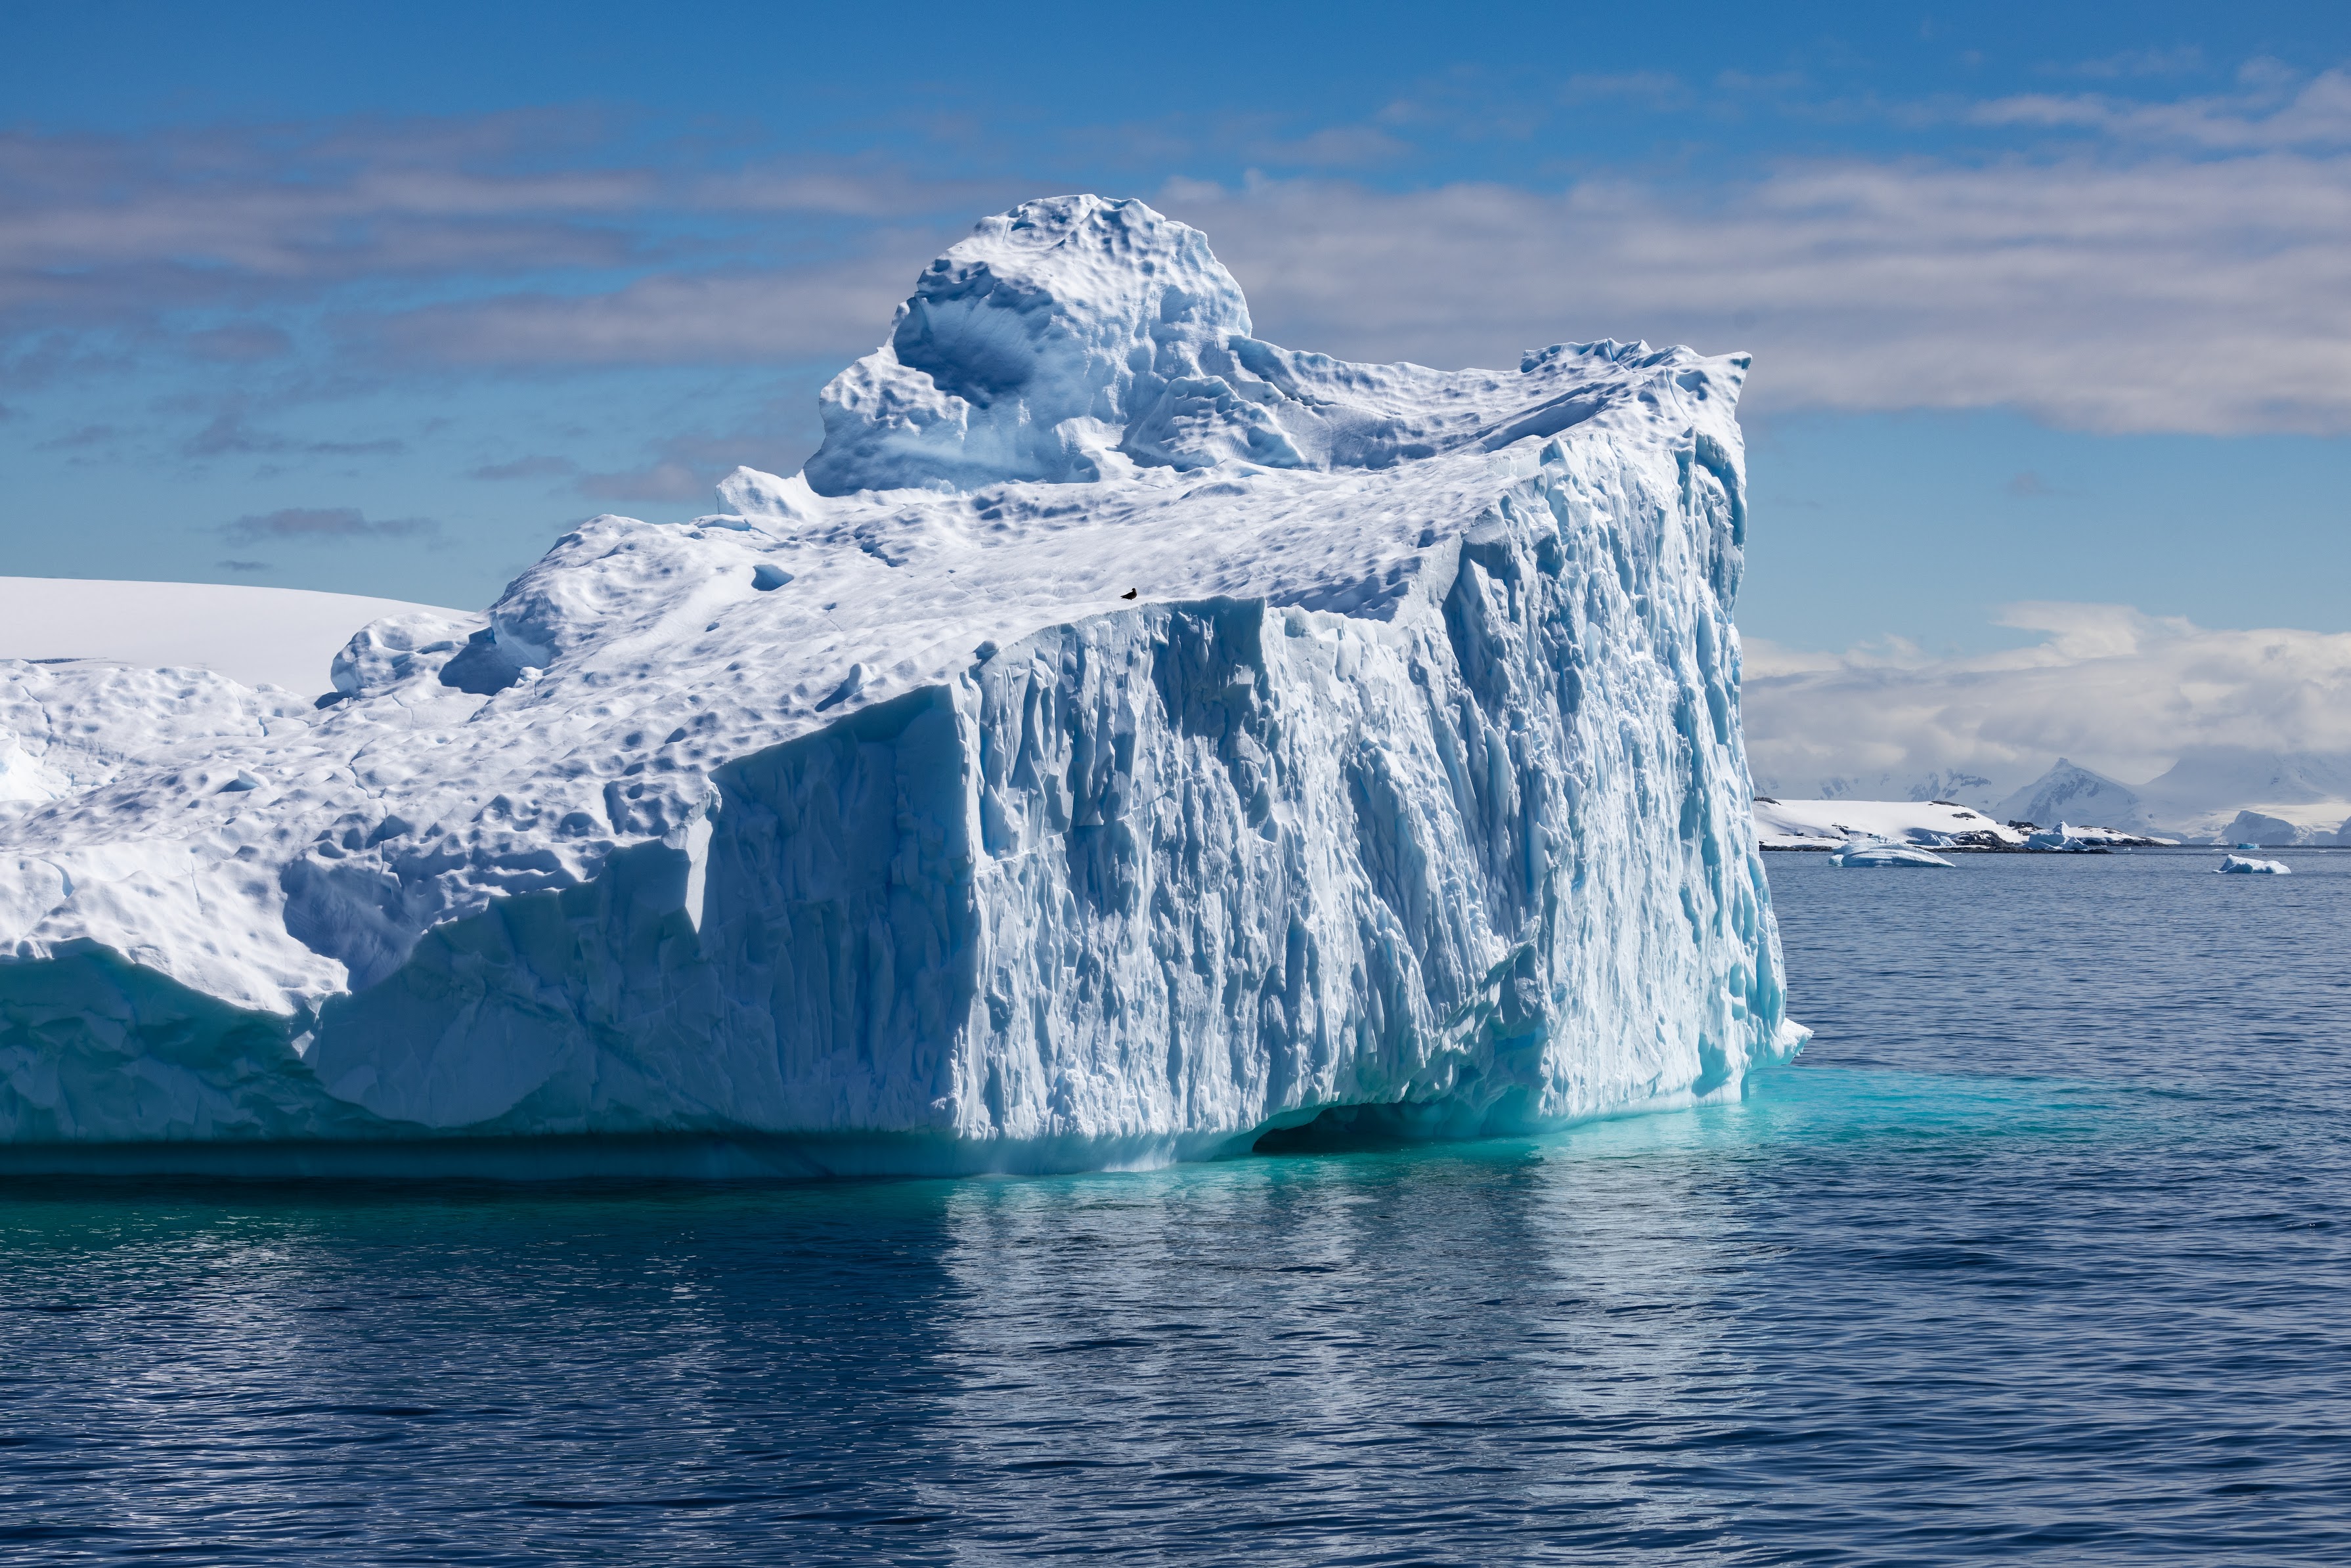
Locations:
{"points": [[1126, 737], [2248, 865], [260, 637], [1875, 852]]}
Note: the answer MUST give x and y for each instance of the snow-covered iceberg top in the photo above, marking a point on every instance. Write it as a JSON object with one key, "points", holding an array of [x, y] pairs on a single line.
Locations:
{"points": [[1125, 737], [1078, 339]]}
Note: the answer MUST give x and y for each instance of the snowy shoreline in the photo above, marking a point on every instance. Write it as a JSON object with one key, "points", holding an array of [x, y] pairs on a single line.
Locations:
{"points": [[1941, 826]]}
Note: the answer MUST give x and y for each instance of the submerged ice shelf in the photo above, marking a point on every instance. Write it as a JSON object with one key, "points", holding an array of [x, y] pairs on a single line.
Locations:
{"points": [[1124, 737]]}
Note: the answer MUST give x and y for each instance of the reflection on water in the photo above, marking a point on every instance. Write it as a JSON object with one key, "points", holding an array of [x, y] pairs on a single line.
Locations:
{"points": [[2029, 1263]]}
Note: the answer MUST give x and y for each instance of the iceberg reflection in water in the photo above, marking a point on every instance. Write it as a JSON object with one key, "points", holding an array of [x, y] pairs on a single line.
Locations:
{"points": [[2064, 1274]]}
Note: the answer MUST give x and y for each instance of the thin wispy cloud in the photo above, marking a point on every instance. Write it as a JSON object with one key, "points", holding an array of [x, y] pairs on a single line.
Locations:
{"points": [[2176, 60], [324, 525], [683, 466], [532, 467], [229, 434], [120, 231], [2161, 295], [2268, 115], [756, 318], [81, 440], [663, 481], [2128, 261], [2106, 686], [242, 344]]}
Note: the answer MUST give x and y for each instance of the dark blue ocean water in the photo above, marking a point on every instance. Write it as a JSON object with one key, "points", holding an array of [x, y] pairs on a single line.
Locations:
{"points": [[2041, 1251]]}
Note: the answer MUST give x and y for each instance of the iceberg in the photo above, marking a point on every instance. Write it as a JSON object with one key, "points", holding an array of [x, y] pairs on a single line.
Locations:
{"points": [[1125, 739], [1875, 852], [2068, 839], [2247, 864]]}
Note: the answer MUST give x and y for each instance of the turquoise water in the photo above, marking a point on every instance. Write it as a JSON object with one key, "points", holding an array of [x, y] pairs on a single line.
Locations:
{"points": [[2041, 1250]]}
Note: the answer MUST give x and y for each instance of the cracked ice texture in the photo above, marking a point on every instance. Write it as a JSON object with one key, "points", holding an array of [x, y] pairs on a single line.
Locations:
{"points": [[1125, 736]]}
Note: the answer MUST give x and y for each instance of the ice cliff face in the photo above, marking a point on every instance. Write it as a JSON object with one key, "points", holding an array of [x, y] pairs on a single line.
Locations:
{"points": [[1126, 736]]}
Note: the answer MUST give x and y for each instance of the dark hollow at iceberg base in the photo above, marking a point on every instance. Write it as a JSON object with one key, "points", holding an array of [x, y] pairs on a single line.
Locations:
{"points": [[726, 1157], [604, 1157]]}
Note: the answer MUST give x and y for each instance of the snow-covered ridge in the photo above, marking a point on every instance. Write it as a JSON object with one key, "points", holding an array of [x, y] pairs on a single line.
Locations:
{"points": [[284, 637], [2211, 794], [1126, 736], [1830, 824]]}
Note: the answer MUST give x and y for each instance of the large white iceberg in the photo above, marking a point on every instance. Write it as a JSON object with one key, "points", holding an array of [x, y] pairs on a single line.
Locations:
{"points": [[1124, 737]]}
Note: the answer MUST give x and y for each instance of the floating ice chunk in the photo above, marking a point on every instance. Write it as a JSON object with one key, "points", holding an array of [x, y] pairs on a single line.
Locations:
{"points": [[1881, 852], [2247, 864]]}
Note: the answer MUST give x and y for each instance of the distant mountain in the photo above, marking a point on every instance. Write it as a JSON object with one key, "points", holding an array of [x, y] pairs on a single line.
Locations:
{"points": [[2224, 794], [1955, 786], [2070, 792], [2285, 797]]}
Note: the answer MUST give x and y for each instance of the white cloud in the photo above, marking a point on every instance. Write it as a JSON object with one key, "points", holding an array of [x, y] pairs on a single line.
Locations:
{"points": [[114, 230], [2209, 297], [2316, 113], [764, 317], [2192, 272], [2112, 689]]}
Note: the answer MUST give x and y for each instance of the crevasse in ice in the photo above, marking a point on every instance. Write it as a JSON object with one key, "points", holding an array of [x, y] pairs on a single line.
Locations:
{"points": [[1123, 737]]}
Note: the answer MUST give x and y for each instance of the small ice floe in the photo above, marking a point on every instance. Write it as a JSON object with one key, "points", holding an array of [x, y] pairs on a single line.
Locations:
{"points": [[2249, 846], [1880, 852], [2246, 863]]}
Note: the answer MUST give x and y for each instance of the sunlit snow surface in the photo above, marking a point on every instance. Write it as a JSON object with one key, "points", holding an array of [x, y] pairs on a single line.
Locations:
{"points": [[1147, 736], [259, 637]]}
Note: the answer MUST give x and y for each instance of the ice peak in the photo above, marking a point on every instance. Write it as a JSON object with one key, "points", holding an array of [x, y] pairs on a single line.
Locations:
{"points": [[1077, 339], [1027, 351]]}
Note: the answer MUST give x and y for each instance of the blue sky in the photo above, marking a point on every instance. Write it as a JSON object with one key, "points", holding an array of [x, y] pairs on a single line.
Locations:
{"points": [[2049, 303]]}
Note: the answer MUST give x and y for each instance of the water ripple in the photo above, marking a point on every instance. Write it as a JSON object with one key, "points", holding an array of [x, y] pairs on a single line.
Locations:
{"points": [[2039, 1253]]}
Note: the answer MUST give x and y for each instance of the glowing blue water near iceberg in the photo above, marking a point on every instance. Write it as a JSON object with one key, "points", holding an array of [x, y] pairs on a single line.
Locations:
{"points": [[1126, 737]]}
